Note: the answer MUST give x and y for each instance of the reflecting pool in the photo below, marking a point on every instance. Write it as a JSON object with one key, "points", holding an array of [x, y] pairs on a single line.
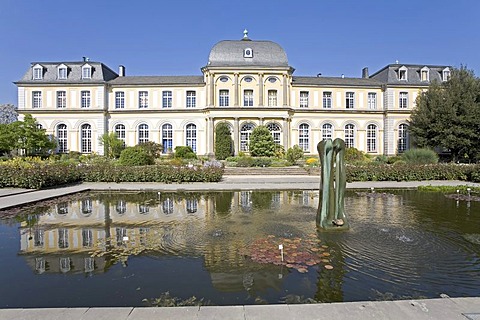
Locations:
{"points": [[224, 247]]}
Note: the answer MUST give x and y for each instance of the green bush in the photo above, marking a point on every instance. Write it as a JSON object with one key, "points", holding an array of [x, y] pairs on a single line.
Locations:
{"points": [[294, 154], [135, 156], [244, 162], [261, 142], [353, 155], [394, 159], [223, 141], [184, 152], [420, 156], [152, 148], [474, 174]]}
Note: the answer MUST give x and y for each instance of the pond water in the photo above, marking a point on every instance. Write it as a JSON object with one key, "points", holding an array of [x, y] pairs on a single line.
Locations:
{"points": [[119, 249]]}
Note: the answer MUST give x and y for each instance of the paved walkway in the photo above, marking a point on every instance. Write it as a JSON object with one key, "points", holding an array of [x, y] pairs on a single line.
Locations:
{"points": [[432, 309], [457, 308]]}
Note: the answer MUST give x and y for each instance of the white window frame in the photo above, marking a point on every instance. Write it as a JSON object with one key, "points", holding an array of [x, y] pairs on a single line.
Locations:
{"points": [[223, 98], [245, 133], [304, 136], [372, 100], [61, 99], [167, 99], [85, 97], [403, 100], [191, 100], [167, 138], [403, 73], [350, 100], [248, 98], [119, 100], [37, 72], [446, 74], [272, 98], [327, 100], [372, 133], [349, 135], [62, 138], [403, 138], [36, 99], [120, 131], [143, 99], [304, 97], [327, 131], [191, 136], [86, 138], [86, 72], [143, 133], [425, 71], [276, 131], [62, 72]]}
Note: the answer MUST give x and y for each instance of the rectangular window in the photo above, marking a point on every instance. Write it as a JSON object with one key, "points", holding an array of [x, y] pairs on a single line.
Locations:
{"points": [[272, 98], [350, 100], [191, 99], [62, 73], [86, 73], [166, 99], [424, 75], [327, 100], [119, 100], [85, 99], [248, 98], [37, 99], [403, 100], [372, 100], [37, 73], [61, 99], [303, 99], [402, 74], [143, 99], [223, 98]]}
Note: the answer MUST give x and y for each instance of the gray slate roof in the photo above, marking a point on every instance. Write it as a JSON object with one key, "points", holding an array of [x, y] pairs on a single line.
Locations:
{"points": [[158, 80], [229, 53], [100, 73], [335, 81], [389, 74]]}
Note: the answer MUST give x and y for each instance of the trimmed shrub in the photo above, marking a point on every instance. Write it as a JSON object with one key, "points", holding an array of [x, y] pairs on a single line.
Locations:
{"points": [[294, 154], [420, 156], [261, 142], [184, 152], [223, 141], [353, 155], [135, 156], [152, 148]]}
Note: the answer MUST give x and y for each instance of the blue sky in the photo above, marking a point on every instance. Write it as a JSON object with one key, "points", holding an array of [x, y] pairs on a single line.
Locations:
{"points": [[331, 37]]}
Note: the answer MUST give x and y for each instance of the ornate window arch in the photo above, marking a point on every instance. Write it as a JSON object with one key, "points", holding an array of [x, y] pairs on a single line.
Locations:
{"points": [[349, 135], [327, 131], [403, 138], [191, 136], [167, 137], [372, 133], [86, 138], [276, 131], [143, 133], [304, 136], [245, 132]]}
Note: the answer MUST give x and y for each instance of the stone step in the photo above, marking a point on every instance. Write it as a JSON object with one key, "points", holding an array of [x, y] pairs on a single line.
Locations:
{"points": [[231, 171]]}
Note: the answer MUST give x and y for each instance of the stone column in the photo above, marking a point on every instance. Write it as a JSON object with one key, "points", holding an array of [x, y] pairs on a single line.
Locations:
{"points": [[260, 121], [260, 89], [286, 133], [235, 90], [210, 136], [236, 136], [285, 91]]}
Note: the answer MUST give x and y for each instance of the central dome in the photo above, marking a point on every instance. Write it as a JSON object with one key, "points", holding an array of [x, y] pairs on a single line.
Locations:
{"points": [[244, 53]]}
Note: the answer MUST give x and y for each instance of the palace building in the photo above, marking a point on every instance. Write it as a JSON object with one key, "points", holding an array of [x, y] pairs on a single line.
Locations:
{"points": [[245, 83]]}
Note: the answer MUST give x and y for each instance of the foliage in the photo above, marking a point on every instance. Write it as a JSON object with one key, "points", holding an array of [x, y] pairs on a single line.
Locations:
{"points": [[447, 116], [279, 151], [312, 162], [152, 148], [254, 162], [410, 172], [166, 300], [223, 141], [25, 135], [294, 154], [112, 145], [8, 113], [353, 155], [184, 152], [449, 189], [135, 156], [261, 142], [420, 156]]}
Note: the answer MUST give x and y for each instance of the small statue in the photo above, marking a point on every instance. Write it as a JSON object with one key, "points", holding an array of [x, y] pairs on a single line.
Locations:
{"points": [[331, 211]]}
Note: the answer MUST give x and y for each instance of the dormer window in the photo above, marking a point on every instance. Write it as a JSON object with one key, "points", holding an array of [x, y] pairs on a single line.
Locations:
{"points": [[402, 73], [446, 74], [37, 72], [86, 72], [62, 72], [248, 53], [425, 74]]}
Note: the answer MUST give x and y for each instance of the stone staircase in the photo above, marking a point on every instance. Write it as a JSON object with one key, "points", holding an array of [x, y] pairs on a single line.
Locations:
{"points": [[268, 171]]}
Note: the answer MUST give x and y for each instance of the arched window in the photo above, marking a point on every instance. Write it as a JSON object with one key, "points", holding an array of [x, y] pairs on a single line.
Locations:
{"points": [[143, 133], [120, 132], [371, 138], [86, 138], [245, 132], [167, 206], [402, 137], [143, 209], [327, 131], [87, 206], [62, 138], [191, 205], [167, 137], [349, 133], [304, 136], [275, 131], [191, 136]]}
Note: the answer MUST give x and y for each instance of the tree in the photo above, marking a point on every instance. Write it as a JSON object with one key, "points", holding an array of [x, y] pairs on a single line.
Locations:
{"points": [[447, 116], [223, 141], [293, 154], [112, 145], [152, 148], [262, 143], [8, 113]]}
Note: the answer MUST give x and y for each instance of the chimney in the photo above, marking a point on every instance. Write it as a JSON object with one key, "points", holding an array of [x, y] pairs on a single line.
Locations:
{"points": [[365, 73], [121, 71]]}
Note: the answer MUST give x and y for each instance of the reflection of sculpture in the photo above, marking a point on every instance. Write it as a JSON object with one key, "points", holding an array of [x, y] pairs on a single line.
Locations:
{"points": [[331, 213]]}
